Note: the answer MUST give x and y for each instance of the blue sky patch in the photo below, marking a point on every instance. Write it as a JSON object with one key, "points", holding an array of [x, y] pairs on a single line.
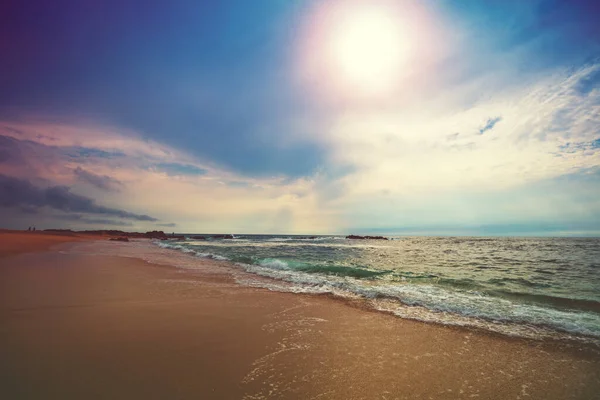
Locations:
{"points": [[180, 169], [87, 152], [489, 125]]}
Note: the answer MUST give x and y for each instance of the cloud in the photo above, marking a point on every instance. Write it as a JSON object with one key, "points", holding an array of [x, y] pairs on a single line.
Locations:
{"points": [[418, 163], [87, 152], [160, 180], [103, 182], [424, 163], [91, 221], [22, 157], [418, 148], [15, 192], [588, 83], [168, 225]]}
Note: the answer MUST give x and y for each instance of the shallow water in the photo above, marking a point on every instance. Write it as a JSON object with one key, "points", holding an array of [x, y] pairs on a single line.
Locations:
{"points": [[521, 286]]}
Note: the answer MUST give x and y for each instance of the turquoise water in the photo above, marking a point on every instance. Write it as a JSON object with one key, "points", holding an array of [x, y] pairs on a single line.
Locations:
{"points": [[535, 284]]}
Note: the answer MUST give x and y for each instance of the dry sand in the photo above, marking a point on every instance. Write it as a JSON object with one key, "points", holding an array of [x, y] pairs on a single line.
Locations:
{"points": [[15, 242], [97, 327]]}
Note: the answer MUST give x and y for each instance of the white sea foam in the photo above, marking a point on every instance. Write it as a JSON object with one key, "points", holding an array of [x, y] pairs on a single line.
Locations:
{"points": [[287, 239], [274, 263], [436, 304], [425, 302], [168, 245], [171, 246]]}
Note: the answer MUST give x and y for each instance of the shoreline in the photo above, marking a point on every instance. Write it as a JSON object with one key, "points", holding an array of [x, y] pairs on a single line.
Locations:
{"points": [[229, 271], [58, 240], [201, 334], [394, 306]]}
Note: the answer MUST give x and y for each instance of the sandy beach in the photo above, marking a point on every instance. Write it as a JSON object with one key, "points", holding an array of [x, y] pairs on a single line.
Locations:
{"points": [[75, 325]]}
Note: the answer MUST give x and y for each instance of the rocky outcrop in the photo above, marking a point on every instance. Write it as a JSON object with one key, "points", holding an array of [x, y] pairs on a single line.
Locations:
{"points": [[156, 235], [119, 239], [366, 237]]}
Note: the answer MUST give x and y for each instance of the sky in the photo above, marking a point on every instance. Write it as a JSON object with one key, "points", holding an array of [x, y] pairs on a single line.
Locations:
{"points": [[309, 117]]}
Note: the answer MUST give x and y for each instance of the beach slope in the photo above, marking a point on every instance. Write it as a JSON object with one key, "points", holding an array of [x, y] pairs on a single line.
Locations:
{"points": [[76, 325]]}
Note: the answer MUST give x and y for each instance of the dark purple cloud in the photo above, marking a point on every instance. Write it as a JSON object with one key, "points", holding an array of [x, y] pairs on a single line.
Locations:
{"points": [[103, 182], [15, 192], [27, 158], [92, 221]]}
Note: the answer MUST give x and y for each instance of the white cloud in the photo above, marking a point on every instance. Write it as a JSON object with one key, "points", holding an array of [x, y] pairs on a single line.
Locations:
{"points": [[424, 149], [432, 162], [421, 162], [215, 201]]}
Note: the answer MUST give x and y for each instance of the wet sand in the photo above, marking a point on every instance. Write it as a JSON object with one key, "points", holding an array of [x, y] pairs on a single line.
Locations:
{"points": [[78, 326]]}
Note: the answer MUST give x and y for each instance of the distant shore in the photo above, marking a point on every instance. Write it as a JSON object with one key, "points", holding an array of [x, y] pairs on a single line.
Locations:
{"points": [[76, 325]]}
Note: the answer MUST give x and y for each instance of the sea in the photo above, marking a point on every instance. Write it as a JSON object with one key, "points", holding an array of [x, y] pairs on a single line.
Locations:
{"points": [[527, 287]]}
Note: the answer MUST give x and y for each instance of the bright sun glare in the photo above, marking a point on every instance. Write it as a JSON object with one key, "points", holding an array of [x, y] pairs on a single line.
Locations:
{"points": [[368, 47]]}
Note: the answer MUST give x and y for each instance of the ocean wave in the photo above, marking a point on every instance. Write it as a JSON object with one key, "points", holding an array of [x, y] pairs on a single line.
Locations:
{"points": [[168, 245], [518, 281], [211, 255], [422, 296], [470, 307], [337, 270], [179, 247], [278, 239], [562, 302], [273, 263]]}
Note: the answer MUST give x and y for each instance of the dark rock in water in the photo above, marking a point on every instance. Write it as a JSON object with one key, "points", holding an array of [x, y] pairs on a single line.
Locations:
{"points": [[155, 235], [172, 238], [198, 237], [308, 238], [366, 237], [120, 239], [222, 237]]}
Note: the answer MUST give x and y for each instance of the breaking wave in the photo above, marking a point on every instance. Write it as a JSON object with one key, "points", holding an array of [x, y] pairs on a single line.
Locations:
{"points": [[497, 304]]}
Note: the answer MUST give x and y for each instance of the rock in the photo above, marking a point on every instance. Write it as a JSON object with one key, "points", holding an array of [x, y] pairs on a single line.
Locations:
{"points": [[366, 237], [155, 235], [222, 237], [119, 239]]}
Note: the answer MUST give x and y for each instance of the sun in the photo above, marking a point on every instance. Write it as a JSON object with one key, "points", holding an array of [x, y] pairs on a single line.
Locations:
{"points": [[368, 47], [359, 50]]}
